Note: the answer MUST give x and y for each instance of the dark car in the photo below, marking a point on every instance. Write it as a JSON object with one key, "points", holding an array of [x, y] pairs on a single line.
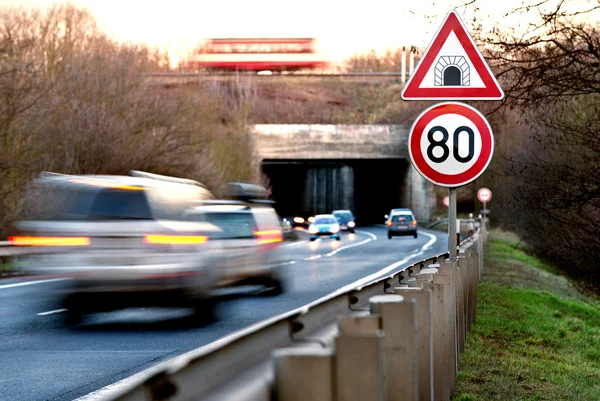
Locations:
{"points": [[401, 223], [346, 220]]}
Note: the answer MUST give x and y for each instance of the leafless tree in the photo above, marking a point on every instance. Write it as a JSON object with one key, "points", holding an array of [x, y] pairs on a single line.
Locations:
{"points": [[72, 100]]}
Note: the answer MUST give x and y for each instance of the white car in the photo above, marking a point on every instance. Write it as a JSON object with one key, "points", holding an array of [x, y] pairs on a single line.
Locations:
{"points": [[123, 242]]}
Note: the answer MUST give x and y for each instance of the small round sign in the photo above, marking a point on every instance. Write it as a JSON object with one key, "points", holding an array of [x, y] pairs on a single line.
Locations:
{"points": [[451, 144], [446, 201], [484, 195]]}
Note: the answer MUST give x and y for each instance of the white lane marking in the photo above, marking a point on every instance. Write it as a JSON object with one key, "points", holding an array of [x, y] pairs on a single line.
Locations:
{"points": [[24, 283], [111, 390], [428, 245], [373, 237], [51, 312], [387, 269], [367, 233], [293, 244]]}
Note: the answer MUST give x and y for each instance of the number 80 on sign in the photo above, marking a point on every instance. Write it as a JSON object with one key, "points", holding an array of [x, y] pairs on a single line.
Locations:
{"points": [[451, 144]]}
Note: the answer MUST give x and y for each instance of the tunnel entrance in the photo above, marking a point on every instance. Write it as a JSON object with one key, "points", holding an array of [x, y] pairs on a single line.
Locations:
{"points": [[370, 188], [452, 76]]}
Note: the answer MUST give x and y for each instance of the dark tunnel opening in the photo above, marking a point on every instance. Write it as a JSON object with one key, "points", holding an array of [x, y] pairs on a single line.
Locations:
{"points": [[370, 188]]}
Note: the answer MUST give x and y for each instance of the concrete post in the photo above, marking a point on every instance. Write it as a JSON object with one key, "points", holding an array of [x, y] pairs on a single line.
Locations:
{"points": [[304, 374], [476, 279], [450, 269], [438, 330], [423, 324], [360, 360], [398, 319], [448, 332], [462, 300]]}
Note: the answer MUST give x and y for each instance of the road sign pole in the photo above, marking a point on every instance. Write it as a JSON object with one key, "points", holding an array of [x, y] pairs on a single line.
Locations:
{"points": [[484, 223], [452, 225]]}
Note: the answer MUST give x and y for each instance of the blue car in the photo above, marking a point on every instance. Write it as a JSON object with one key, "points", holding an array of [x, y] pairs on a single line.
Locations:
{"points": [[324, 225]]}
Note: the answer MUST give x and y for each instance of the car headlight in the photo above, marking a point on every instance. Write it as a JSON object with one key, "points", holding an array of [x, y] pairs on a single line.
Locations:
{"points": [[351, 224], [298, 220], [313, 229], [335, 229]]}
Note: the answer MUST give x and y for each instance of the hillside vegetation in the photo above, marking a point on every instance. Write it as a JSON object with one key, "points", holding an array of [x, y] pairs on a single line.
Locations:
{"points": [[536, 336]]}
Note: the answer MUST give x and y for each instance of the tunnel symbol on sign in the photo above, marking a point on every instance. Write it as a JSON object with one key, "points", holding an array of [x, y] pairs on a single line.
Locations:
{"points": [[452, 71]]}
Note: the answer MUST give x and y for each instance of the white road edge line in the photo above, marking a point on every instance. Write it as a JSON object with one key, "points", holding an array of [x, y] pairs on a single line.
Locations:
{"points": [[51, 312], [105, 392], [387, 269], [24, 283]]}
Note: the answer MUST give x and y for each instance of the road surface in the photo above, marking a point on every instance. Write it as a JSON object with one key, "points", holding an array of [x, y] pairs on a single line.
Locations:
{"points": [[40, 359]]}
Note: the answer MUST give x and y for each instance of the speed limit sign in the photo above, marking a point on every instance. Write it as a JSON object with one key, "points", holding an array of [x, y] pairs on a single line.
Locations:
{"points": [[484, 195], [451, 144]]}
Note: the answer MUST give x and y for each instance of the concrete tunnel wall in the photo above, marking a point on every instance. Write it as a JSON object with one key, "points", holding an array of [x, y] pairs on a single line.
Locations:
{"points": [[318, 168]]}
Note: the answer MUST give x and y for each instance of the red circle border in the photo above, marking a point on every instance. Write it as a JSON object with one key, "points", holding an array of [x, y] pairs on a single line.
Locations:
{"points": [[451, 180]]}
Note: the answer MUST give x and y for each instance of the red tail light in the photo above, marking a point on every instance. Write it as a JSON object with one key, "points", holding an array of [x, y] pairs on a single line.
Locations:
{"points": [[269, 236], [48, 241], [175, 239], [414, 222]]}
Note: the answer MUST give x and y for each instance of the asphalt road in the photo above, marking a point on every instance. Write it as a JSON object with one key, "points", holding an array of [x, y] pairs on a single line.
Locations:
{"points": [[40, 359]]}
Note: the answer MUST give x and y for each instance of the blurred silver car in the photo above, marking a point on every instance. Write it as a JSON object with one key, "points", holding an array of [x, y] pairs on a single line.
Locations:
{"points": [[122, 240], [251, 235]]}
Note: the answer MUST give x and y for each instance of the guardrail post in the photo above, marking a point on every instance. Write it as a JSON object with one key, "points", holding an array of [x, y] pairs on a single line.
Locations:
{"points": [[398, 320], [472, 285], [304, 374], [475, 280], [360, 360], [423, 325], [450, 269], [462, 271], [444, 330]]}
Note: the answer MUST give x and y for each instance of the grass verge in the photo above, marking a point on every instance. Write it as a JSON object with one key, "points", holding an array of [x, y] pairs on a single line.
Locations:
{"points": [[535, 338]]}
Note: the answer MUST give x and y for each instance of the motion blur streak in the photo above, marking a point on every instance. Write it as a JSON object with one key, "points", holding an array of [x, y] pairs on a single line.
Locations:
{"points": [[49, 241], [174, 239], [98, 183]]}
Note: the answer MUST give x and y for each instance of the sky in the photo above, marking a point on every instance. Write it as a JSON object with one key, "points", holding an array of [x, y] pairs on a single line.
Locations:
{"points": [[342, 27]]}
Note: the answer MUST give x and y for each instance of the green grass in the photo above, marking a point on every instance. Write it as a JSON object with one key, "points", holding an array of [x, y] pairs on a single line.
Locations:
{"points": [[535, 337]]}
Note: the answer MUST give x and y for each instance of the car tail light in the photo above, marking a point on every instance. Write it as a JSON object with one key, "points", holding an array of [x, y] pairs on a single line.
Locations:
{"points": [[175, 239], [48, 241], [269, 236], [389, 223], [414, 222]]}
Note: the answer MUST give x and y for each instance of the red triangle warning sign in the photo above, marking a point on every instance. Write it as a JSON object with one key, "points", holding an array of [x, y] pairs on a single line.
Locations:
{"points": [[452, 68]]}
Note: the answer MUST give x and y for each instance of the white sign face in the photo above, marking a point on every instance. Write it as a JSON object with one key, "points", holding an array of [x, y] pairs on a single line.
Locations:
{"points": [[451, 144], [440, 146], [452, 55], [452, 68], [484, 195]]}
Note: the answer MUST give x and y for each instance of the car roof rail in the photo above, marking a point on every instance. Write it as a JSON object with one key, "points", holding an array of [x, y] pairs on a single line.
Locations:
{"points": [[264, 201], [246, 191], [144, 174], [47, 174], [210, 202]]}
